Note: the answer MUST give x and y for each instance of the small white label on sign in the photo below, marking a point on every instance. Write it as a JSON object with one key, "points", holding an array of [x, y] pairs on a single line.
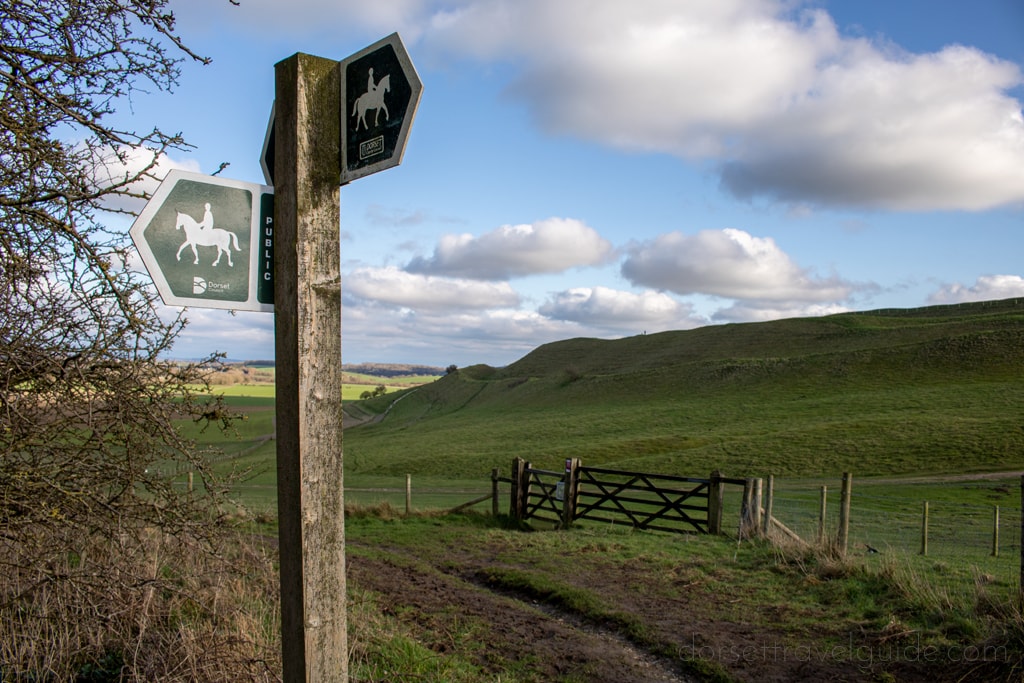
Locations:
{"points": [[371, 148]]}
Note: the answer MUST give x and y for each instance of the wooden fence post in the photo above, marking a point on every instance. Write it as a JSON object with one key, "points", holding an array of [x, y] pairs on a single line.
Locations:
{"points": [[749, 508], [844, 512], [995, 531], [924, 529], [570, 488], [744, 505], [716, 489], [756, 517], [524, 489], [515, 507], [768, 502], [408, 494], [822, 512], [494, 492], [1020, 585]]}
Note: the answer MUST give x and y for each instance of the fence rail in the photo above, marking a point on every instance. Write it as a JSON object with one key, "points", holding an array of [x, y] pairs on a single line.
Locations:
{"points": [[986, 538], [936, 528], [647, 501]]}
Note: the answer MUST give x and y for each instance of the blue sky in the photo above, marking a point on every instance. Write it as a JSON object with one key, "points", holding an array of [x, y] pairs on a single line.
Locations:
{"points": [[598, 168]]}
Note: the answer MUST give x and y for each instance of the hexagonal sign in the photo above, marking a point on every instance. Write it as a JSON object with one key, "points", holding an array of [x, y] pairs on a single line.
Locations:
{"points": [[380, 92], [208, 242]]}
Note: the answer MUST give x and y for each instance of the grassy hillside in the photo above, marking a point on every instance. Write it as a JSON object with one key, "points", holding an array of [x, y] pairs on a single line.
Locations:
{"points": [[933, 390]]}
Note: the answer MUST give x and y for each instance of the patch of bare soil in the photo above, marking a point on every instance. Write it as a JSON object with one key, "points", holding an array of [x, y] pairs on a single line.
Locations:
{"points": [[688, 637], [507, 631]]}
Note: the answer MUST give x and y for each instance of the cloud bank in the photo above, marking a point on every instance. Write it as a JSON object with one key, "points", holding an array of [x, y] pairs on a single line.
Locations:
{"points": [[986, 288], [782, 104]]}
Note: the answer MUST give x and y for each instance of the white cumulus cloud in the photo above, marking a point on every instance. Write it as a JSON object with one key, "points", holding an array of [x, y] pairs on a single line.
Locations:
{"points": [[786, 106], [986, 288], [616, 309], [918, 132], [761, 312], [548, 246], [391, 286], [444, 337], [726, 263]]}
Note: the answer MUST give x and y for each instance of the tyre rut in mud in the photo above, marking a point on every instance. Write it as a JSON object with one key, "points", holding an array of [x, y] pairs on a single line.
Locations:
{"points": [[500, 630]]}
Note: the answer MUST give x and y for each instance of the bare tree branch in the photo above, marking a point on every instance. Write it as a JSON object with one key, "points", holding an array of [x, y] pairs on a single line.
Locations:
{"points": [[90, 455]]}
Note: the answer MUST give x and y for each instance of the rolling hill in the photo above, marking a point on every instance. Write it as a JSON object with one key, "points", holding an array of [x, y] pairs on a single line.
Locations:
{"points": [[889, 392]]}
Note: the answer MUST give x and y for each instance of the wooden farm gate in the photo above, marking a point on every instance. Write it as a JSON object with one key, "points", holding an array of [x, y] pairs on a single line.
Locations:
{"points": [[642, 500]]}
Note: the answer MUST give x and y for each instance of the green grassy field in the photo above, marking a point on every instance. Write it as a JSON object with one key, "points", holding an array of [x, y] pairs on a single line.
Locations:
{"points": [[935, 392], [667, 594], [921, 406]]}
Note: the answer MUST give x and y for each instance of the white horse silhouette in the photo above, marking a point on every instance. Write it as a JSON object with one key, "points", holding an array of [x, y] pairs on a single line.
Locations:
{"points": [[196, 236], [373, 99]]}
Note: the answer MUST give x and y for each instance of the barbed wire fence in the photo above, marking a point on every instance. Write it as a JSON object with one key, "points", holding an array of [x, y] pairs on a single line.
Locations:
{"points": [[925, 525], [964, 535]]}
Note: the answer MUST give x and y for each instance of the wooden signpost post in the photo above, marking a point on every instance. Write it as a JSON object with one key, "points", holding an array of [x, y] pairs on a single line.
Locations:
{"points": [[331, 123], [312, 124], [307, 303]]}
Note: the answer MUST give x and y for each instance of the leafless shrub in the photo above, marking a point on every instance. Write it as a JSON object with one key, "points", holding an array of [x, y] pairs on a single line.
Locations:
{"points": [[109, 565]]}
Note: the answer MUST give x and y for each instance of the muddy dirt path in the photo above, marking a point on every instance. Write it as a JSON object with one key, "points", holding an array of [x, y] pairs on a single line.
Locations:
{"points": [[502, 629], [454, 601]]}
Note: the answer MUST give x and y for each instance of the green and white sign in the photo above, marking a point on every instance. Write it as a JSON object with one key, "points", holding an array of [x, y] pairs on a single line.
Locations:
{"points": [[208, 242]]}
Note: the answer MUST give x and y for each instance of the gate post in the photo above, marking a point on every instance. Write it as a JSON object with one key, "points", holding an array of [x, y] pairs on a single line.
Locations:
{"points": [[570, 491], [751, 508], [769, 499], [516, 505], [716, 489], [494, 492], [524, 489], [756, 516]]}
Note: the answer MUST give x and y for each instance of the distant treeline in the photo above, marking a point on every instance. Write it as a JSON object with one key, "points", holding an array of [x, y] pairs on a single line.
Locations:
{"points": [[392, 369], [372, 369]]}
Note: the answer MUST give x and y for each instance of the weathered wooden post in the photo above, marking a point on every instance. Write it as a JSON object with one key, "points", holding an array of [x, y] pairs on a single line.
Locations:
{"points": [[570, 489], [756, 516], [924, 529], [995, 531], [844, 512], [822, 513], [524, 489], [748, 525], [769, 500], [307, 301], [516, 505], [494, 492], [408, 494], [716, 493], [1020, 585], [574, 490]]}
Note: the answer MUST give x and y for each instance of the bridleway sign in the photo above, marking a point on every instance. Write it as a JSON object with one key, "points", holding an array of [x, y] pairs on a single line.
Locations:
{"points": [[380, 91], [208, 242]]}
